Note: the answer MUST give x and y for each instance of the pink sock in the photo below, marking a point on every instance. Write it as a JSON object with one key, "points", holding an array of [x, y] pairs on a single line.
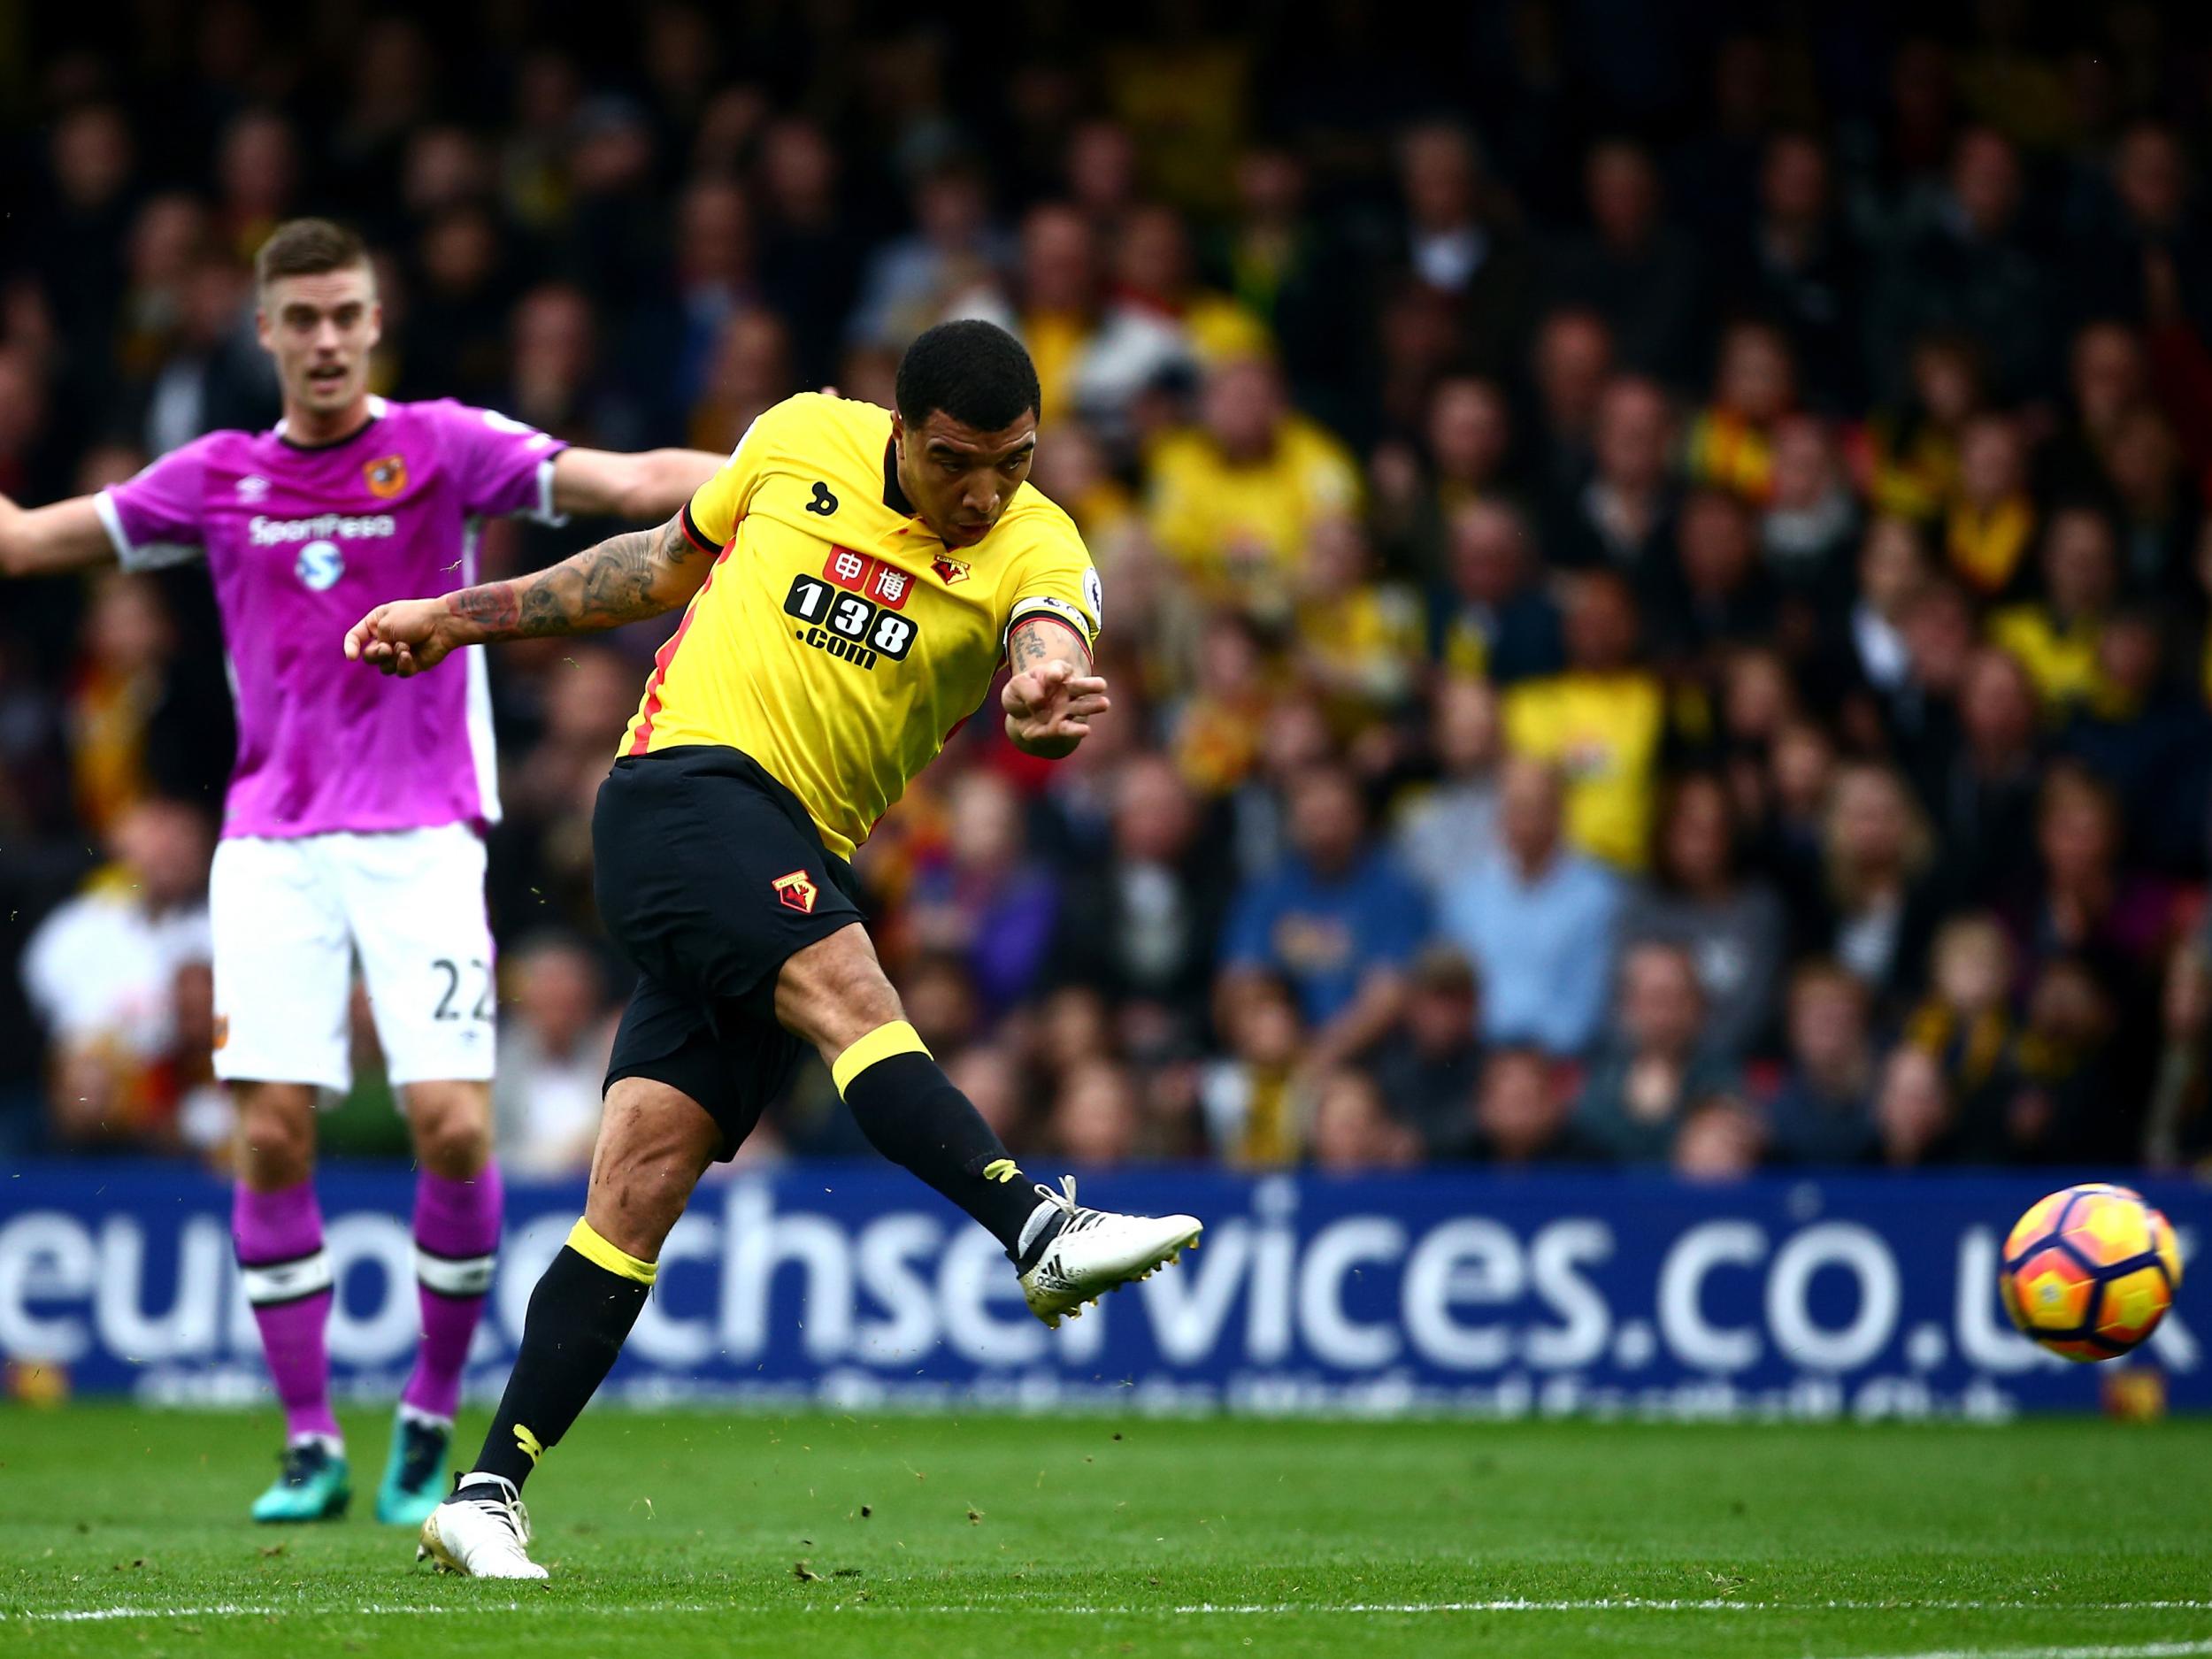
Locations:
{"points": [[287, 1272], [457, 1246]]}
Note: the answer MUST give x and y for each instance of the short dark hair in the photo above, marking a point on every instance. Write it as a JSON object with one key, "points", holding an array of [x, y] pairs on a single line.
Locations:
{"points": [[307, 246], [974, 371]]}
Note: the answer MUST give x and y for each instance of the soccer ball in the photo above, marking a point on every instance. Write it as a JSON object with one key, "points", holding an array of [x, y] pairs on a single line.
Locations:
{"points": [[2090, 1271]]}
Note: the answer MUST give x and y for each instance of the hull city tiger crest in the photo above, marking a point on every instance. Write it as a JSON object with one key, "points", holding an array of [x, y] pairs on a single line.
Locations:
{"points": [[386, 478], [950, 570], [797, 890]]}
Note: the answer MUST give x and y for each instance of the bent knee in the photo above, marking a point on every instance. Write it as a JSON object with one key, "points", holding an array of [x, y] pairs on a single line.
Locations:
{"points": [[835, 991], [655, 1142], [452, 1127], [276, 1134]]}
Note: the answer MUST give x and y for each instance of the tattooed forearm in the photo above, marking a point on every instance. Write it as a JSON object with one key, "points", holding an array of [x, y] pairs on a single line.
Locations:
{"points": [[624, 579], [1027, 646], [1024, 650]]}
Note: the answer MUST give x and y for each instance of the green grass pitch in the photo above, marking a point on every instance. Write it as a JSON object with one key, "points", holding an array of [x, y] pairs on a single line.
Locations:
{"points": [[703, 1533]]}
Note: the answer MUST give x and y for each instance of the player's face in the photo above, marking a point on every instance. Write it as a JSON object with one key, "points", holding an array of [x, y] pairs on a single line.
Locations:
{"points": [[960, 478], [322, 329]]}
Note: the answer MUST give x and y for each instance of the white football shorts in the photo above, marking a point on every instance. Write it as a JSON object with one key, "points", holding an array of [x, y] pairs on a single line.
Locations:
{"points": [[290, 917]]}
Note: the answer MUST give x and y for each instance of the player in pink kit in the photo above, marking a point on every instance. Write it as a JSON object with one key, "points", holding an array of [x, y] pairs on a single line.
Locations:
{"points": [[354, 818]]}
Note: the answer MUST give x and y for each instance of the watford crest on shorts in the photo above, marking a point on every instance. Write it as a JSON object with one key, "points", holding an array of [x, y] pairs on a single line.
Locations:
{"points": [[797, 890], [386, 478]]}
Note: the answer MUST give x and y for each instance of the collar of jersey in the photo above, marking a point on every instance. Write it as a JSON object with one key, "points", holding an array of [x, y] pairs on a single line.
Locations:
{"points": [[894, 492], [377, 408]]}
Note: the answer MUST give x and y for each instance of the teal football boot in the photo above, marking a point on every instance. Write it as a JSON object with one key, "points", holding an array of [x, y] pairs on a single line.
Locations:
{"points": [[414, 1474], [314, 1487]]}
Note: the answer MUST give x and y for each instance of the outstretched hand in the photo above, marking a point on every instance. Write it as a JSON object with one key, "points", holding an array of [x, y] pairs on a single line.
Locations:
{"points": [[407, 637], [1049, 708]]}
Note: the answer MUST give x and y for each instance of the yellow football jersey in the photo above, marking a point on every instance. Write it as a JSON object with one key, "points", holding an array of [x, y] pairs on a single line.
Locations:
{"points": [[837, 640], [1604, 732]]}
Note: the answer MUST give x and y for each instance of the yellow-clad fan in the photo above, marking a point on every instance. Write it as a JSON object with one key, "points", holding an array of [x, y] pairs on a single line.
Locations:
{"points": [[853, 579]]}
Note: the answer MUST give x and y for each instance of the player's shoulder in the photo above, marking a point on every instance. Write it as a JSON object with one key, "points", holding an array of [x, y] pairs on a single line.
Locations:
{"points": [[808, 419], [1034, 524], [443, 416], [227, 451]]}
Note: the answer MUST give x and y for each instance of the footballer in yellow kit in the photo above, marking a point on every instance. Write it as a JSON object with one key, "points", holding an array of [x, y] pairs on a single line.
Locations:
{"points": [[836, 640], [852, 579]]}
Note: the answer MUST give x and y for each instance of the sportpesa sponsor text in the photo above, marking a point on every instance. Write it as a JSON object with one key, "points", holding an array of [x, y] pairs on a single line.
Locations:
{"points": [[263, 531], [1439, 1293]]}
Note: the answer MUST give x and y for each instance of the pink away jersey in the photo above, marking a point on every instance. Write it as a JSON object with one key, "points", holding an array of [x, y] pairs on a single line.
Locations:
{"points": [[300, 543]]}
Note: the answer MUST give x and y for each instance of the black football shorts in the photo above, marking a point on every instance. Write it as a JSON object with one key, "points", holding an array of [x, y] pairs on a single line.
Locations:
{"points": [[709, 874]]}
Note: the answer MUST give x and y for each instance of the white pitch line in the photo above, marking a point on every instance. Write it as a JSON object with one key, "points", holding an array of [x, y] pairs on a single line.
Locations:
{"points": [[1598, 1604], [2139, 1650]]}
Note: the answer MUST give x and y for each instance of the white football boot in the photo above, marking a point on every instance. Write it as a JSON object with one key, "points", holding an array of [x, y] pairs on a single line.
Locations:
{"points": [[1098, 1250], [480, 1537]]}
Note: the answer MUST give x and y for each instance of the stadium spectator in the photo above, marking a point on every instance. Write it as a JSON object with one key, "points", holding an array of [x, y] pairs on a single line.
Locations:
{"points": [[1603, 721], [1969, 268], [1234, 499], [1720, 1140], [952, 248], [1537, 921], [1731, 443], [1360, 640], [1658, 1069], [987, 903], [1823, 1113], [1892, 573], [1986, 801], [1966, 1023], [1911, 447], [1913, 1112], [1720, 596], [2149, 741], [1452, 242], [1879, 902], [1800, 269], [1623, 518], [1522, 1115], [102, 974], [1337, 920], [1466, 443], [1700, 899], [1811, 516], [1354, 1133], [2055, 638], [1139, 925], [1491, 618], [1992, 520], [1643, 275], [1572, 366], [1429, 1071], [555, 1031], [1096, 1121], [1251, 1098], [1453, 822]]}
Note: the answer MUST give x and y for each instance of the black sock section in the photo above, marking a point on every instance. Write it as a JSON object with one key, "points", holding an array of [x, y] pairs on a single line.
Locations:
{"points": [[579, 1316], [911, 1113]]}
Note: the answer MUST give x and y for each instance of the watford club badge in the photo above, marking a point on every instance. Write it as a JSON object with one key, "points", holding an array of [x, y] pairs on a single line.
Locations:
{"points": [[797, 890], [950, 570], [386, 478]]}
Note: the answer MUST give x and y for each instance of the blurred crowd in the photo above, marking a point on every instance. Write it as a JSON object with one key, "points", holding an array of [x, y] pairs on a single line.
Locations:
{"points": [[1657, 570]]}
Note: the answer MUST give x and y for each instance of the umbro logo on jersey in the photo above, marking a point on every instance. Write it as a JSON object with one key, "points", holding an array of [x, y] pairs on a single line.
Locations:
{"points": [[824, 504], [797, 890]]}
